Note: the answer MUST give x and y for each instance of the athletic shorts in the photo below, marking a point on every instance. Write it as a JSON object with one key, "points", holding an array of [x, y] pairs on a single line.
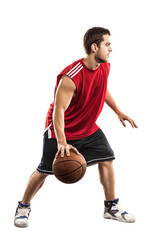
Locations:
{"points": [[95, 148]]}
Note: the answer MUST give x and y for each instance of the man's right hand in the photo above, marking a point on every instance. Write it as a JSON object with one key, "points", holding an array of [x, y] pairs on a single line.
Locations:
{"points": [[64, 147]]}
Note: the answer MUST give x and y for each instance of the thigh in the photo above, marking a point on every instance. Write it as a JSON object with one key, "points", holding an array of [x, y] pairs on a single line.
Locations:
{"points": [[96, 148], [49, 151], [48, 155]]}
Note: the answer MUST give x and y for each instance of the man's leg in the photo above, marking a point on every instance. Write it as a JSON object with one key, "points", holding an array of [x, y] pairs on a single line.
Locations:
{"points": [[35, 182], [112, 209], [107, 179]]}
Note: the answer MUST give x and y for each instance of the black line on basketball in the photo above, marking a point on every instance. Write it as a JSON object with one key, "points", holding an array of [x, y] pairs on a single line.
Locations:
{"points": [[72, 171], [81, 173], [67, 161]]}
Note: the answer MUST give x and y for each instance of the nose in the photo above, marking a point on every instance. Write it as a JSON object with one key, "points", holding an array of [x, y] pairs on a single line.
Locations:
{"points": [[110, 49]]}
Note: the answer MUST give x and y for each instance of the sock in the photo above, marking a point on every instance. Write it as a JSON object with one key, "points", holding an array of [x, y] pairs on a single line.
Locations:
{"points": [[24, 205], [107, 203]]}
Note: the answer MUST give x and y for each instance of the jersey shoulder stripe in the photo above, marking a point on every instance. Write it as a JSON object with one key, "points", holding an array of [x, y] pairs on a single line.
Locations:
{"points": [[76, 69]]}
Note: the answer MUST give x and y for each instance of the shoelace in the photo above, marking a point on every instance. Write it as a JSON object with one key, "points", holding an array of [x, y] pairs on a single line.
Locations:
{"points": [[22, 211], [113, 207]]}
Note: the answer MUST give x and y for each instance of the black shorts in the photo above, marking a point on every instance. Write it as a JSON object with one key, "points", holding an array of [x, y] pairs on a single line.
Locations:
{"points": [[95, 148]]}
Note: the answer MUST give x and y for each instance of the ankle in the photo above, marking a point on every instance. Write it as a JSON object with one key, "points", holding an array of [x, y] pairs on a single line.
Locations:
{"points": [[111, 202], [108, 203], [23, 204]]}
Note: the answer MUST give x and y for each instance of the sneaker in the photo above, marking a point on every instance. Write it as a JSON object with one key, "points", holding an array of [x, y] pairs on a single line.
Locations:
{"points": [[112, 211], [22, 215]]}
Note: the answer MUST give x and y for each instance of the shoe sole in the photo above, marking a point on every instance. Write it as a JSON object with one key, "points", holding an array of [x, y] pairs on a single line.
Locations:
{"points": [[120, 220], [21, 225]]}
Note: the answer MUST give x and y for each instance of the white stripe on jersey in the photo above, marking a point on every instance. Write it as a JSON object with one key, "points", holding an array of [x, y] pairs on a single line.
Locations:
{"points": [[73, 68], [49, 133], [47, 128], [76, 72]]}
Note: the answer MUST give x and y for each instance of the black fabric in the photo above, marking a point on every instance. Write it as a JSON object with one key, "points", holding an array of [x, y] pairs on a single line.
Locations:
{"points": [[95, 148]]}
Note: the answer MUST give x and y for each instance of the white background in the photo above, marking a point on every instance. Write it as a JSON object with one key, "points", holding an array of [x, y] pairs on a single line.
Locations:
{"points": [[38, 40]]}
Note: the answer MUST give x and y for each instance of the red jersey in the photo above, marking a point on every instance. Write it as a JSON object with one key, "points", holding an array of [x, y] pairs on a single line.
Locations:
{"points": [[84, 109]]}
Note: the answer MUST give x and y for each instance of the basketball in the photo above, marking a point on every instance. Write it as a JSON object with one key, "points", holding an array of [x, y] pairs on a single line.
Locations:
{"points": [[69, 169]]}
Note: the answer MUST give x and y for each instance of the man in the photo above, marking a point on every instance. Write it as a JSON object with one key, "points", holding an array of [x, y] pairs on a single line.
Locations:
{"points": [[80, 93]]}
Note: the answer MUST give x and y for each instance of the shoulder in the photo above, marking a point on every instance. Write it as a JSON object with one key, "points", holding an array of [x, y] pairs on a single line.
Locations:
{"points": [[74, 65], [74, 68], [67, 83]]}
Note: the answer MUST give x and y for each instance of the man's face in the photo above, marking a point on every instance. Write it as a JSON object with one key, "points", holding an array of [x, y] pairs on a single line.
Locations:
{"points": [[103, 51]]}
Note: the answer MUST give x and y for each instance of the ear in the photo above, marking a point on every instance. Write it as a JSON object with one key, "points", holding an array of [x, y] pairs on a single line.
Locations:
{"points": [[94, 47]]}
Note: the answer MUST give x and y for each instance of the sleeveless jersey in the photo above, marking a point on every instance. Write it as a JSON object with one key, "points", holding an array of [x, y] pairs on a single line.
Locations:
{"points": [[84, 109]]}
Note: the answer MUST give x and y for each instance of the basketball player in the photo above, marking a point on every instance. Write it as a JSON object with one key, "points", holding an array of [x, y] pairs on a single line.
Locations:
{"points": [[80, 93]]}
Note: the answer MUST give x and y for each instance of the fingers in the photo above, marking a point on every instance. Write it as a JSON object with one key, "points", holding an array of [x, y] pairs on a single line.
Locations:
{"points": [[60, 151], [135, 124], [66, 148], [123, 122], [132, 123], [67, 151], [123, 118], [75, 150]]}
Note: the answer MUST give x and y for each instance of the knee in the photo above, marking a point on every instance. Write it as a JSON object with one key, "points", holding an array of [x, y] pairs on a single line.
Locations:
{"points": [[41, 175], [107, 164]]}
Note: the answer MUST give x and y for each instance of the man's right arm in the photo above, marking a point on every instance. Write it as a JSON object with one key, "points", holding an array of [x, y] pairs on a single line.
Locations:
{"points": [[63, 97]]}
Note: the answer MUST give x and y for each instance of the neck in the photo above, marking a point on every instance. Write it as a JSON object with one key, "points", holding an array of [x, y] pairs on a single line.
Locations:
{"points": [[90, 62]]}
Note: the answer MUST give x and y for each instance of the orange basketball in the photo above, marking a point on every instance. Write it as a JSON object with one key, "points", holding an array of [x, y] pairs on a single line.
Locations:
{"points": [[69, 169]]}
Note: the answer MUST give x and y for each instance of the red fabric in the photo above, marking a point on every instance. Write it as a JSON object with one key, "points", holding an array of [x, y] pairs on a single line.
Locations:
{"points": [[84, 109]]}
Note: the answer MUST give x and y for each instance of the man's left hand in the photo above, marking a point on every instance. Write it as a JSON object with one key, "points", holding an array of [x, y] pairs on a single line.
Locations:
{"points": [[122, 117]]}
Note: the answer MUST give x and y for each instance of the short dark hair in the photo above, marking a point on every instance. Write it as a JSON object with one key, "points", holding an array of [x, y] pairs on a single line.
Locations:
{"points": [[94, 35]]}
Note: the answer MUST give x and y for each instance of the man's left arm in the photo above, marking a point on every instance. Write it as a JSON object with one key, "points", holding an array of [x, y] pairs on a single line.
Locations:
{"points": [[122, 117]]}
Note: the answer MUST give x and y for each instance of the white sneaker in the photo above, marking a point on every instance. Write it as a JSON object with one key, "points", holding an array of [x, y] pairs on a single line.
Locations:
{"points": [[22, 215], [112, 211]]}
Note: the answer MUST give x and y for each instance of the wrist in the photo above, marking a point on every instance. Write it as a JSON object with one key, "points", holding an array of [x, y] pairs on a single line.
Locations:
{"points": [[118, 112], [61, 142]]}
